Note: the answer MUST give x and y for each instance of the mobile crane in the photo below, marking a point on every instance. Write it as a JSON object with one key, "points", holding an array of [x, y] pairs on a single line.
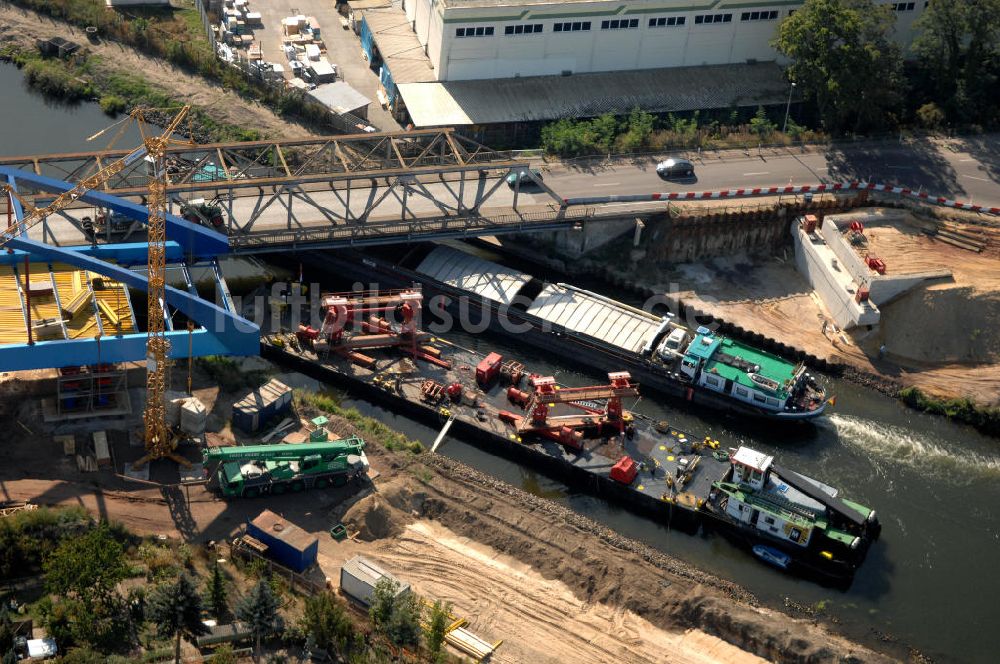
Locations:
{"points": [[249, 471]]}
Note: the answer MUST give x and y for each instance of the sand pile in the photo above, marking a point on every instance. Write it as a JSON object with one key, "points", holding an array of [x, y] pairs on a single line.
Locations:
{"points": [[386, 513], [937, 325]]}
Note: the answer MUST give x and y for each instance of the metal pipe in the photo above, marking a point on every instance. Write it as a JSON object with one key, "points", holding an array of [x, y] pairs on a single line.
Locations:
{"points": [[788, 107], [27, 295]]}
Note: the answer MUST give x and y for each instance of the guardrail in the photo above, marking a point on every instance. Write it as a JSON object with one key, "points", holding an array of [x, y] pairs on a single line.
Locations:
{"points": [[904, 192]]}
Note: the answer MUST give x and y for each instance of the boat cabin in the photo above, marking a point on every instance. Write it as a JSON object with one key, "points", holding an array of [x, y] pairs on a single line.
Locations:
{"points": [[751, 467]]}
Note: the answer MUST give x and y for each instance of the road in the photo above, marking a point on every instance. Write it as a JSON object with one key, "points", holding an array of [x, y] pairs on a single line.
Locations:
{"points": [[967, 170]]}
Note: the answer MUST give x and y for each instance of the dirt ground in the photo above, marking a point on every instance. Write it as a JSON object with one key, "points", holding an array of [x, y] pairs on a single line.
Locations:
{"points": [[23, 27], [548, 582], [941, 337]]}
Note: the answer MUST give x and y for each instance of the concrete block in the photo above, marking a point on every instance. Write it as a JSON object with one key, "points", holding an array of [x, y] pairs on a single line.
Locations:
{"points": [[194, 416]]}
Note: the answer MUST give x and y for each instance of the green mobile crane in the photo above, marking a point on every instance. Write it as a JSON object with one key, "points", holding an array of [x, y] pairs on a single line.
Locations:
{"points": [[252, 470]]}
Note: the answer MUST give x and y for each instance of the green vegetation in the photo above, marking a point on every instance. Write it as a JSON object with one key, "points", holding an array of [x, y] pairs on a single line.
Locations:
{"points": [[845, 62], [644, 131], [370, 429], [959, 63], [397, 618], [964, 410], [175, 609], [259, 611], [438, 623], [217, 594], [326, 622]]}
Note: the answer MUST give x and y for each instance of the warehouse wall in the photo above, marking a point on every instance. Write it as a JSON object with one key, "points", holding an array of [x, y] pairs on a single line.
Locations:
{"points": [[643, 47]]}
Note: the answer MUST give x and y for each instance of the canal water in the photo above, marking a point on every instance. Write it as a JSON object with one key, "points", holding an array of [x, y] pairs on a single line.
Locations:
{"points": [[930, 582]]}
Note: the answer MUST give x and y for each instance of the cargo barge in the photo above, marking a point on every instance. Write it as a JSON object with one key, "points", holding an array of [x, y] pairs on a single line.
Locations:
{"points": [[697, 366], [584, 435]]}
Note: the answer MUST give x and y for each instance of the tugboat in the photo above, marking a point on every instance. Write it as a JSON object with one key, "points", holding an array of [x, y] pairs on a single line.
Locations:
{"points": [[793, 518]]}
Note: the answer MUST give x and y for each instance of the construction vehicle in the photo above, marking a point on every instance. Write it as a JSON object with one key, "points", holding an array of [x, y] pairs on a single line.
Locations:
{"points": [[198, 211], [249, 471], [160, 443]]}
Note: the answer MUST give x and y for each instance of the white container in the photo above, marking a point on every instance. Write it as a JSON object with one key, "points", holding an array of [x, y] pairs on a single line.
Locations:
{"points": [[312, 52], [359, 576], [194, 416]]}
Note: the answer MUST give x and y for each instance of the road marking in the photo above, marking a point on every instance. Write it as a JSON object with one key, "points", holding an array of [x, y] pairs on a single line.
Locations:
{"points": [[973, 177], [757, 173], [608, 184], [966, 159]]}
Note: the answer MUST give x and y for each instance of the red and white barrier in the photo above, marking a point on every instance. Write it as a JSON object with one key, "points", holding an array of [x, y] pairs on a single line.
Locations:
{"points": [[780, 191]]}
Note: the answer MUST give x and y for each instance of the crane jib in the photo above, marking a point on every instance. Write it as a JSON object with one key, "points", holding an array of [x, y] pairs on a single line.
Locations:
{"points": [[134, 156]]}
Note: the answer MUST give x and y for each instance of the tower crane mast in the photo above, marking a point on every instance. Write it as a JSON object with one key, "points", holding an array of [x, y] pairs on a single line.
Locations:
{"points": [[159, 442]]}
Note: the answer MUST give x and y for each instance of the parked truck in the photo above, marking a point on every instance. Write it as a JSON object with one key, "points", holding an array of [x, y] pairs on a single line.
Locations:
{"points": [[249, 471]]}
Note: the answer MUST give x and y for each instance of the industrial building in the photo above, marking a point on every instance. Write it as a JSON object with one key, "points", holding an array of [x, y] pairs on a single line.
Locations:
{"points": [[475, 62]]}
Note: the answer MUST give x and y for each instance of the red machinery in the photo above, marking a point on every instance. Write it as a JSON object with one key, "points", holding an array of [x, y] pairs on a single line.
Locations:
{"points": [[857, 226], [875, 263], [488, 369], [358, 320], [625, 470], [567, 428]]}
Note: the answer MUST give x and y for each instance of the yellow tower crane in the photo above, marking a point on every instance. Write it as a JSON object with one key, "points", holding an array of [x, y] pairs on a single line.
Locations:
{"points": [[159, 442]]}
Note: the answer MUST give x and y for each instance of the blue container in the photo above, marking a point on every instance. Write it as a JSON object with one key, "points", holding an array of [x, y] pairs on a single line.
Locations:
{"points": [[287, 544]]}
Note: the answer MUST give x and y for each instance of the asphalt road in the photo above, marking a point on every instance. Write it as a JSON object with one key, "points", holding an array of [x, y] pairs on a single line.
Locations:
{"points": [[967, 170]]}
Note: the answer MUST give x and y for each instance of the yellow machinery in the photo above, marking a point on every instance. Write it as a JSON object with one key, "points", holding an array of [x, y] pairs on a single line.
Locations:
{"points": [[159, 442]]}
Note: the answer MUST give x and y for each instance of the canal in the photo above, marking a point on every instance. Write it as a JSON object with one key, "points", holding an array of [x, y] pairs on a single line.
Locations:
{"points": [[929, 582]]}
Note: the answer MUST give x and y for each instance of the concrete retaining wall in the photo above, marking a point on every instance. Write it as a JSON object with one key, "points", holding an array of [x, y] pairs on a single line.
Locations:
{"points": [[835, 287]]}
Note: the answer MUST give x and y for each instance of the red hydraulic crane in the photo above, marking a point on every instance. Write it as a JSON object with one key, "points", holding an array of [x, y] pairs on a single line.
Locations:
{"points": [[568, 428]]}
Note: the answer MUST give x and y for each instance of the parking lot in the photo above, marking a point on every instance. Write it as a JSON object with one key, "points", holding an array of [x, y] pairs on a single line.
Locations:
{"points": [[343, 48]]}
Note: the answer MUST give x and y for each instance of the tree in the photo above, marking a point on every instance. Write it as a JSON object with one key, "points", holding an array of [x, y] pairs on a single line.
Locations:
{"points": [[395, 615], [760, 124], [88, 567], [175, 609], [6, 633], [437, 628], [327, 623], [844, 60], [216, 594], [958, 43], [259, 611], [638, 129]]}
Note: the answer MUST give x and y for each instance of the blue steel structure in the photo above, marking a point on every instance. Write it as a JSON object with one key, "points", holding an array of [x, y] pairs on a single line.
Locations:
{"points": [[222, 331]]}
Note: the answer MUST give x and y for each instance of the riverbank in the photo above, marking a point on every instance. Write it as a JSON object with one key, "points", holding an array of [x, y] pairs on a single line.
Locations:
{"points": [[516, 564], [121, 77], [937, 338]]}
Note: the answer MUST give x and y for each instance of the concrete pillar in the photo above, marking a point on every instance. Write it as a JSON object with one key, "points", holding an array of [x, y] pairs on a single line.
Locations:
{"points": [[637, 237]]}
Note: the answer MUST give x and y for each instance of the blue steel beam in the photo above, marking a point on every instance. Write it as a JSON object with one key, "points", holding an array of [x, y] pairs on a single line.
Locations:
{"points": [[224, 332], [196, 240], [131, 253]]}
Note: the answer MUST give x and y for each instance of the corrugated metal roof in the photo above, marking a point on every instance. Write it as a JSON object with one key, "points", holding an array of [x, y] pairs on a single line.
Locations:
{"points": [[432, 104], [595, 316], [362, 568], [471, 273], [340, 97], [272, 524], [399, 46]]}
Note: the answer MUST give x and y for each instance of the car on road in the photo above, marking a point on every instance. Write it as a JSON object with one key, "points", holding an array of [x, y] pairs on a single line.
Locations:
{"points": [[522, 176], [675, 168]]}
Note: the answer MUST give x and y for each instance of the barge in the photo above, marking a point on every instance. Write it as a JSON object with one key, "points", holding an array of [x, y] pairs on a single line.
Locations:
{"points": [[697, 366], [372, 343]]}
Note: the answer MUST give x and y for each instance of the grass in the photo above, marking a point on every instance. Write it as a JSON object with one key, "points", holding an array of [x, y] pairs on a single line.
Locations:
{"points": [[227, 373], [983, 418], [371, 429]]}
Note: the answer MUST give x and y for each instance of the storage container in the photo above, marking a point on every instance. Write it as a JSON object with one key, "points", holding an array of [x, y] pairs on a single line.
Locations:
{"points": [[359, 576], [287, 544]]}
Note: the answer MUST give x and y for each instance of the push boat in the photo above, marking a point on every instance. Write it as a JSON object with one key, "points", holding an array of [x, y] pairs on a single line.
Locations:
{"points": [[697, 366], [370, 342]]}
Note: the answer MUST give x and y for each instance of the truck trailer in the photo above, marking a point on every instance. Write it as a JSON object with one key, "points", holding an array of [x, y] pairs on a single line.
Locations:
{"points": [[249, 471]]}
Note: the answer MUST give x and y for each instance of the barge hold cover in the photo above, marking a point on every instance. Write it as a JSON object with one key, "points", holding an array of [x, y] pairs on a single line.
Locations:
{"points": [[613, 323], [471, 273], [810, 489]]}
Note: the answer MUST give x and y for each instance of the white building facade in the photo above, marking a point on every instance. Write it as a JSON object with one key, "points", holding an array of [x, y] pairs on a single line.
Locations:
{"points": [[488, 39]]}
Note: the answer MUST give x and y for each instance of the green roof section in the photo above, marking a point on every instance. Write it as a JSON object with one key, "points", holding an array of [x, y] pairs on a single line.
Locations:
{"points": [[717, 351]]}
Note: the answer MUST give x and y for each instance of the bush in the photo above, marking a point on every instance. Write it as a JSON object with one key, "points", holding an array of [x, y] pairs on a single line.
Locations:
{"points": [[325, 621], [113, 104], [931, 116], [962, 409]]}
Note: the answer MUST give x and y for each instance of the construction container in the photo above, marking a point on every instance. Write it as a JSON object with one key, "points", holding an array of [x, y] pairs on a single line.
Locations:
{"points": [[287, 544], [270, 400], [101, 450], [359, 576], [194, 417]]}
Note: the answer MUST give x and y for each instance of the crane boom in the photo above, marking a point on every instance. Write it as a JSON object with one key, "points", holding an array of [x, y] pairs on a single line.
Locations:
{"points": [[329, 448]]}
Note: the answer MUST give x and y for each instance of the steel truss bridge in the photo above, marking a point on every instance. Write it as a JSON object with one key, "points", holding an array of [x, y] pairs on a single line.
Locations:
{"points": [[328, 191]]}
